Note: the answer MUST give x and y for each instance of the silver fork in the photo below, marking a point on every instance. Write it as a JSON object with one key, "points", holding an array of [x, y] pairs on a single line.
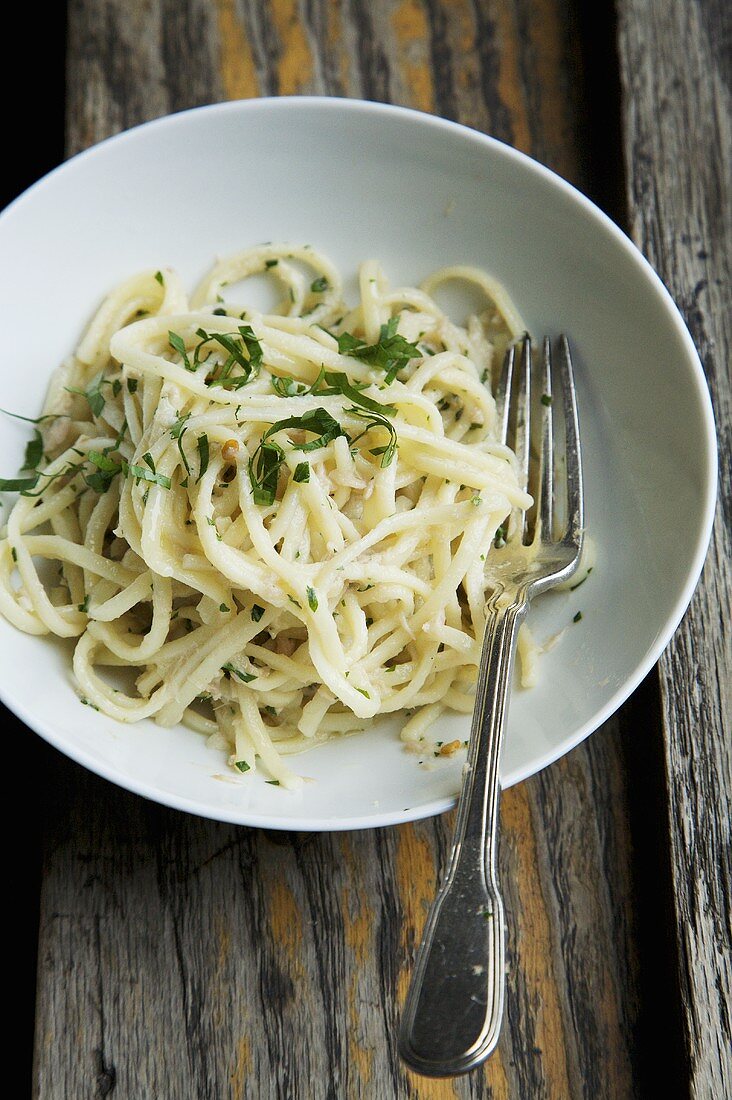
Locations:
{"points": [[452, 1015]]}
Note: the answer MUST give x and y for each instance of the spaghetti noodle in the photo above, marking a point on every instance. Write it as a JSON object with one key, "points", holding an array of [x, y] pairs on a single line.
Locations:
{"points": [[281, 523]]}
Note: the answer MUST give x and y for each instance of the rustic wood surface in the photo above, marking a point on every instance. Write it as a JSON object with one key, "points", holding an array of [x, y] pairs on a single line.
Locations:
{"points": [[678, 148], [182, 958]]}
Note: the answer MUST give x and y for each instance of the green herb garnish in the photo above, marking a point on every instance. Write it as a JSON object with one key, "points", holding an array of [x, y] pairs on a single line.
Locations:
{"points": [[203, 452], [141, 474], [339, 383], [241, 765], [374, 420], [177, 343], [312, 599], [580, 583], [105, 472], [257, 612], [245, 677], [390, 353], [93, 394], [107, 469], [36, 419], [302, 472], [17, 484], [286, 386], [318, 286], [234, 346], [33, 452], [177, 432], [265, 463]]}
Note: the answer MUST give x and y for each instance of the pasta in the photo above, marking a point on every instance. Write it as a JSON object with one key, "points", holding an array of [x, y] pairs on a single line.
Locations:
{"points": [[270, 526]]}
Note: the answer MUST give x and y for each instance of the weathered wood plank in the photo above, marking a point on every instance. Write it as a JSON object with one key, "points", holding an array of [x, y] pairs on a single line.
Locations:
{"points": [[184, 958], [677, 70]]}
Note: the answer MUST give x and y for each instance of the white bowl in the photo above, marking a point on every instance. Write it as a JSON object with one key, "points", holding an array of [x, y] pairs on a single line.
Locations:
{"points": [[360, 180]]}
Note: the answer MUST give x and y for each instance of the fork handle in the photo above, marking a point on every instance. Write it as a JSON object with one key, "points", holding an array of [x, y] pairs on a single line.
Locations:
{"points": [[452, 1015]]}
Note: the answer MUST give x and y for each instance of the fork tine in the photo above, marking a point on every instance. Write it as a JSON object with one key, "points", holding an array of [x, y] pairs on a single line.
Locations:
{"points": [[575, 497], [522, 446], [545, 526], [503, 392]]}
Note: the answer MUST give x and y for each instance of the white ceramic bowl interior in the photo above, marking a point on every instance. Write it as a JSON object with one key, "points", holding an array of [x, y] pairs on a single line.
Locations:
{"points": [[362, 180]]}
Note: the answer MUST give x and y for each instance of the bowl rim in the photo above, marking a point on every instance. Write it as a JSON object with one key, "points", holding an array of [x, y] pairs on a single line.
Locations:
{"points": [[673, 618]]}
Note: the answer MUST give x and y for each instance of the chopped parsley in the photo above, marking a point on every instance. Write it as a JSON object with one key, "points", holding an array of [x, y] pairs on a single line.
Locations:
{"points": [[257, 612], [141, 474], [106, 470], [35, 419], [241, 765], [177, 432], [546, 399], [390, 353], [178, 344], [577, 617], [375, 420], [289, 387], [302, 472], [33, 452], [580, 583], [159, 278], [93, 394], [18, 484], [231, 670], [235, 348], [267, 460], [203, 453], [339, 383], [319, 286], [312, 599]]}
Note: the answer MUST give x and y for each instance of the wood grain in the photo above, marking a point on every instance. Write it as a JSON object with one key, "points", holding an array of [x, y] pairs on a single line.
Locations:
{"points": [[678, 148], [179, 957]]}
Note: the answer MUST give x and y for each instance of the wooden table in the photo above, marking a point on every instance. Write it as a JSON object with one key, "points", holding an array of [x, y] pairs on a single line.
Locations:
{"points": [[178, 958]]}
